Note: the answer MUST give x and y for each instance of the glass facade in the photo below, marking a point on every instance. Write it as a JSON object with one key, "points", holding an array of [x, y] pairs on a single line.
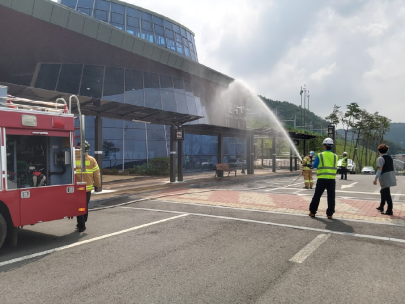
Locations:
{"points": [[139, 23], [126, 143]]}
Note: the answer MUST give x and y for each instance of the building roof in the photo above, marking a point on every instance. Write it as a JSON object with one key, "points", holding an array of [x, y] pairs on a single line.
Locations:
{"points": [[72, 20]]}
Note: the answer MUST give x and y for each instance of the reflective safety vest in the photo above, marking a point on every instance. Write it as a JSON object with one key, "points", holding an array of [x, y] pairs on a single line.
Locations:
{"points": [[327, 165], [344, 161], [92, 174]]}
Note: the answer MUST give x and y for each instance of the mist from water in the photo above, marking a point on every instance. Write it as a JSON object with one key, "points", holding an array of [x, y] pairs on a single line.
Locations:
{"points": [[243, 98]]}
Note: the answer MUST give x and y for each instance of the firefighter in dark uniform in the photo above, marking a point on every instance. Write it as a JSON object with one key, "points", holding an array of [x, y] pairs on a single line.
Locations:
{"points": [[92, 178]]}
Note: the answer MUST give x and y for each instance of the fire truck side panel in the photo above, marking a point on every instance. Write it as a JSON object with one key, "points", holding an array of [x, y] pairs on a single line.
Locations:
{"points": [[47, 204]]}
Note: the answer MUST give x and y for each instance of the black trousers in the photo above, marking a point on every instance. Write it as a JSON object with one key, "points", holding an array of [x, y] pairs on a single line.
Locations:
{"points": [[323, 184], [82, 219], [386, 197], [343, 172]]}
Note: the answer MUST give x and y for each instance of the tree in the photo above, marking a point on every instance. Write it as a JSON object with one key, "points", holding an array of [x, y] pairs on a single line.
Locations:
{"points": [[109, 149], [334, 117]]}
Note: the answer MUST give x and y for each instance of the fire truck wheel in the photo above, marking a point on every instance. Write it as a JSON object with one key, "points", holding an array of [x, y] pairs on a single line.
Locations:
{"points": [[3, 229]]}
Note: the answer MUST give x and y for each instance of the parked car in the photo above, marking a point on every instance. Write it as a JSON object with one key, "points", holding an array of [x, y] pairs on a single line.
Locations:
{"points": [[351, 166], [368, 170]]}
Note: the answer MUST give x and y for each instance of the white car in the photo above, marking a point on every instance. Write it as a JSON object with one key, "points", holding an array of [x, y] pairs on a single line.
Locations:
{"points": [[368, 170], [351, 166]]}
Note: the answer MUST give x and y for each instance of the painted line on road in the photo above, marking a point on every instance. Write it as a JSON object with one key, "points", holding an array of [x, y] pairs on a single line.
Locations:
{"points": [[42, 253], [367, 236], [305, 252]]}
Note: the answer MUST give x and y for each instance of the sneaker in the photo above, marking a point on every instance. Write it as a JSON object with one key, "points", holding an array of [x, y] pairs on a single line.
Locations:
{"points": [[311, 214], [387, 213], [380, 209], [81, 229]]}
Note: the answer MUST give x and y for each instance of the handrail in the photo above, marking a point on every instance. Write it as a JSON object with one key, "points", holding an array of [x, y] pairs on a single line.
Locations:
{"points": [[81, 125]]}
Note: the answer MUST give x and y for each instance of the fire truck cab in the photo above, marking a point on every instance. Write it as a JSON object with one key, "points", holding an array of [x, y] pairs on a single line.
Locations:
{"points": [[37, 164]]}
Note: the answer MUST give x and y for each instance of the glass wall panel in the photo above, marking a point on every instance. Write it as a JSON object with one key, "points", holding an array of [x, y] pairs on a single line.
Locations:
{"points": [[179, 47], [160, 39], [92, 81], [152, 99], [134, 31], [168, 25], [101, 10], [89, 132], [156, 141], [178, 85], [134, 93], [191, 105], [158, 20], [171, 44], [169, 34], [198, 106], [235, 150], [181, 103], [168, 101], [166, 82], [114, 84], [117, 15], [69, 79], [135, 144], [147, 35], [183, 32], [85, 7], [187, 52], [132, 12], [70, 3], [112, 143], [146, 16], [48, 76], [188, 88], [176, 28]]}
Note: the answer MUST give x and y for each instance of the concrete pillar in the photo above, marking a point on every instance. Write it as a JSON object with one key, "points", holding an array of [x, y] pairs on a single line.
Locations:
{"points": [[252, 154], [98, 145], [249, 155], [180, 160], [172, 154], [295, 163], [220, 148], [262, 152]]}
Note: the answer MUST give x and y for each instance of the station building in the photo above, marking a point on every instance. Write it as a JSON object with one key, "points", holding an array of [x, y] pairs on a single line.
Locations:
{"points": [[113, 51]]}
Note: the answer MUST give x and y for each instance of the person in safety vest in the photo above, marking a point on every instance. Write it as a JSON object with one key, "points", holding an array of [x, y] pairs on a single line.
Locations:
{"points": [[307, 170], [343, 166], [326, 163], [91, 176]]}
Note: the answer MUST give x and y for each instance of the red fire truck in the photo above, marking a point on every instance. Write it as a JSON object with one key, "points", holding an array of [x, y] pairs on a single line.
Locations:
{"points": [[37, 164]]}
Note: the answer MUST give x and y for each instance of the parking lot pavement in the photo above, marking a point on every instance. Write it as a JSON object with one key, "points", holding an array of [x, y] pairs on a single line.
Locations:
{"points": [[157, 252]]}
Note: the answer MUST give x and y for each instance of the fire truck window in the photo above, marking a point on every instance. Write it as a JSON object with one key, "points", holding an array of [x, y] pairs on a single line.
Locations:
{"points": [[38, 161]]}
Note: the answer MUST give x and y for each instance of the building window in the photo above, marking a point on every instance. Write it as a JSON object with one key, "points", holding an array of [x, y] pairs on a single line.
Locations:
{"points": [[85, 7], [70, 3], [102, 10]]}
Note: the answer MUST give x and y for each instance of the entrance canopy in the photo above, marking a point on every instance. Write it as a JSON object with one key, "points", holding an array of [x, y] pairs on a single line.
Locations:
{"points": [[105, 108]]}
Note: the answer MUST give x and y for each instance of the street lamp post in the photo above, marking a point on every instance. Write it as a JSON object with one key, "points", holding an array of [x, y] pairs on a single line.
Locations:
{"points": [[305, 94]]}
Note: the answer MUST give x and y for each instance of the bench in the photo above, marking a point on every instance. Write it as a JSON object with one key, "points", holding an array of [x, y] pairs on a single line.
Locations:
{"points": [[222, 168]]}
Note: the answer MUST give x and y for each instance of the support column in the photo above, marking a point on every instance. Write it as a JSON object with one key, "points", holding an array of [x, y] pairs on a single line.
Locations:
{"points": [[180, 160], [305, 148], [98, 145], [295, 163], [273, 150], [172, 154], [291, 158], [249, 155], [252, 154], [220, 148], [262, 152]]}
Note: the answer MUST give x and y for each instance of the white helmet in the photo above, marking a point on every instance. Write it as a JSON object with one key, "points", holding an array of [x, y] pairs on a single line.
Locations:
{"points": [[344, 153], [328, 141]]}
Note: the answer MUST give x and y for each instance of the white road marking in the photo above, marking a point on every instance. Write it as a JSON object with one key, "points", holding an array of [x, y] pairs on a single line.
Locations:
{"points": [[103, 192], [396, 198], [377, 191], [88, 241], [349, 186], [381, 238], [302, 255]]}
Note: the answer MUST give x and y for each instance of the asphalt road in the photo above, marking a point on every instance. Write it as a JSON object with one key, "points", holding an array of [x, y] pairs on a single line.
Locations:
{"points": [[161, 252]]}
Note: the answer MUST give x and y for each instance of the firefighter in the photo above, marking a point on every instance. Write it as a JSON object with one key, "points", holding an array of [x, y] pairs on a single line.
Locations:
{"points": [[326, 162], [91, 176], [307, 170], [343, 167]]}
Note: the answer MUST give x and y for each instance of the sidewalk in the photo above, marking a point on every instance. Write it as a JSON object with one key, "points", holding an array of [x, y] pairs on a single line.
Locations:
{"points": [[189, 191]]}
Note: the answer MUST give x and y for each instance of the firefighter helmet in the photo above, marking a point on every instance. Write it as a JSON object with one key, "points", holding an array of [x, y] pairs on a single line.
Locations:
{"points": [[86, 145]]}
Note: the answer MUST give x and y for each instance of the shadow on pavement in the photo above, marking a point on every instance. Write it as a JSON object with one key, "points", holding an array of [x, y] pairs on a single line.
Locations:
{"points": [[31, 242], [335, 225]]}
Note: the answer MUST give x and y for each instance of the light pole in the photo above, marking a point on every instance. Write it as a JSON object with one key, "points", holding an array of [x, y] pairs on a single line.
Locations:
{"points": [[308, 103]]}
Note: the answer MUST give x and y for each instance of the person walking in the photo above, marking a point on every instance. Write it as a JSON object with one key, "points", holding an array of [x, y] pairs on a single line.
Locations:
{"points": [[307, 170], [386, 176], [92, 178], [326, 164], [343, 167]]}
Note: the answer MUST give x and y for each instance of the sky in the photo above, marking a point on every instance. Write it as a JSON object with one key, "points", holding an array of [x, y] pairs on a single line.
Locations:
{"points": [[343, 50]]}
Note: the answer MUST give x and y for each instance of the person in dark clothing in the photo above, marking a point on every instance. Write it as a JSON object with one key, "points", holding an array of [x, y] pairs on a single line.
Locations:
{"points": [[386, 176], [343, 167], [326, 164]]}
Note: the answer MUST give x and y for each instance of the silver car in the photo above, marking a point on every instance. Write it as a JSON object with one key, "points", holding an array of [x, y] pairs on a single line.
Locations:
{"points": [[367, 170]]}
